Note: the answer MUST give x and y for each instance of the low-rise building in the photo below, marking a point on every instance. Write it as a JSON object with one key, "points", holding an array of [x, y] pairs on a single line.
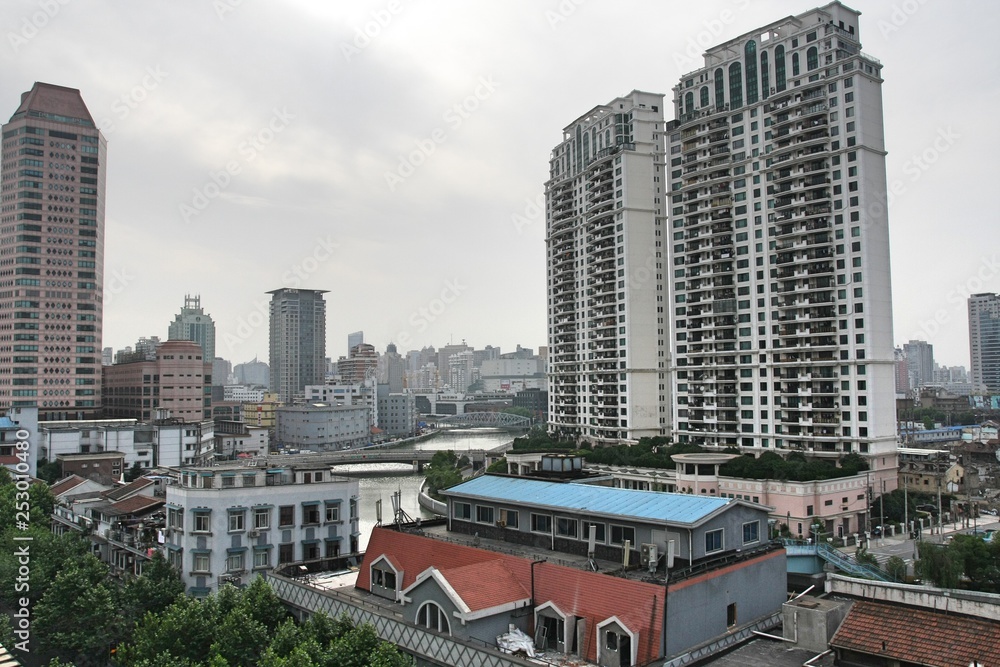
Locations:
{"points": [[103, 467], [19, 440], [229, 522], [397, 412], [322, 427], [234, 439], [164, 443], [613, 576]]}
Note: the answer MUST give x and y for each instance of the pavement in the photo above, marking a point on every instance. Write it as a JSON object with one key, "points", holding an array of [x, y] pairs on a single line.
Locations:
{"points": [[901, 545]]}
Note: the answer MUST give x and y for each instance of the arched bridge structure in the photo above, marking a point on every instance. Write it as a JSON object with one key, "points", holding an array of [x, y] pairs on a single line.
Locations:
{"points": [[484, 420]]}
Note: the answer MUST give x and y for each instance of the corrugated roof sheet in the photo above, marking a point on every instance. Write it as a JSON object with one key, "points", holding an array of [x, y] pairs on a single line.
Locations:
{"points": [[677, 508]]}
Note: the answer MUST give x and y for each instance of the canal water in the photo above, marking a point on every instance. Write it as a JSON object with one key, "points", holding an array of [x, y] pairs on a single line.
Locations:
{"points": [[379, 481]]}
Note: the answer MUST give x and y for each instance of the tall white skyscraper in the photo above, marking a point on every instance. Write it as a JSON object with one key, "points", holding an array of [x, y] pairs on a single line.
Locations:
{"points": [[984, 340], [607, 305], [780, 295], [52, 263]]}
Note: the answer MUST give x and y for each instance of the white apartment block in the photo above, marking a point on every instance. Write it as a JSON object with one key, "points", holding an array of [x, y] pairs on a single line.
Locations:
{"points": [[363, 394], [607, 303], [230, 523], [166, 444], [242, 393], [780, 300]]}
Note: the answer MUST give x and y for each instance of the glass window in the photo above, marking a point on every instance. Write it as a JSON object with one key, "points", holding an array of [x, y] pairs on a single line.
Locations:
{"points": [[286, 515], [310, 514], [332, 512], [462, 511], [599, 531], [201, 562], [541, 523], [262, 558], [202, 522], [621, 533], [262, 519], [720, 89], [432, 616], [566, 527], [751, 532], [735, 86], [750, 57], [235, 562], [484, 514], [237, 521], [713, 541]]}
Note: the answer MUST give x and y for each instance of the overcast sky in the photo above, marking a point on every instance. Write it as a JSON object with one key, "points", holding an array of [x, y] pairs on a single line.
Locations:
{"points": [[394, 153]]}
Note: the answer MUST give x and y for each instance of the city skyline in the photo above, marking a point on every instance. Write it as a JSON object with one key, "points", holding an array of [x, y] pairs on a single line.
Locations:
{"points": [[384, 143]]}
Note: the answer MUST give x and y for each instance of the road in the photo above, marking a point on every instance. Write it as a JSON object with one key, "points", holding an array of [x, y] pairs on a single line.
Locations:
{"points": [[905, 548]]}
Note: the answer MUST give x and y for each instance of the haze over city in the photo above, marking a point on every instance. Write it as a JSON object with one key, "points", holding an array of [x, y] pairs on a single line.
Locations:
{"points": [[395, 153]]}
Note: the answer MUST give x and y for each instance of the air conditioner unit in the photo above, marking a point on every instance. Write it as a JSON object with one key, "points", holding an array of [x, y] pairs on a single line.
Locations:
{"points": [[648, 556], [253, 533]]}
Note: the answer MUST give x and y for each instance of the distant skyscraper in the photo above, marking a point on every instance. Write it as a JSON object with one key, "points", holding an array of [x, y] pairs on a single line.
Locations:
{"points": [[984, 340], [606, 242], [297, 340], [253, 372], [52, 272], [193, 324], [354, 339], [778, 245], [919, 362], [392, 369]]}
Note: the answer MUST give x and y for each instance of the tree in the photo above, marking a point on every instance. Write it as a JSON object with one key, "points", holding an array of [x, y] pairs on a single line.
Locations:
{"points": [[134, 472], [50, 472], [935, 564], [78, 616], [895, 567], [159, 587], [442, 472]]}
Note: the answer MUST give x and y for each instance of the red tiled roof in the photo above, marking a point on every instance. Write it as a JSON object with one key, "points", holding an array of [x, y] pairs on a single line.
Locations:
{"points": [[918, 636], [65, 485], [592, 596], [469, 582]]}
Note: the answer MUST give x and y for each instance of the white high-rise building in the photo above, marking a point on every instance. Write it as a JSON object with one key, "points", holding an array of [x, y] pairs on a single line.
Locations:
{"points": [[607, 305], [984, 340], [780, 297]]}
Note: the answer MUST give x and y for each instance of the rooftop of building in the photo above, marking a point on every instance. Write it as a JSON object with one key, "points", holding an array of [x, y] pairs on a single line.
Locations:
{"points": [[675, 508], [55, 103], [767, 653], [918, 636], [90, 456]]}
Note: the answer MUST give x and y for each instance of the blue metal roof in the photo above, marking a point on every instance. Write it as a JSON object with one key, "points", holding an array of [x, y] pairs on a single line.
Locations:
{"points": [[589, 499], [7, 422]]}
